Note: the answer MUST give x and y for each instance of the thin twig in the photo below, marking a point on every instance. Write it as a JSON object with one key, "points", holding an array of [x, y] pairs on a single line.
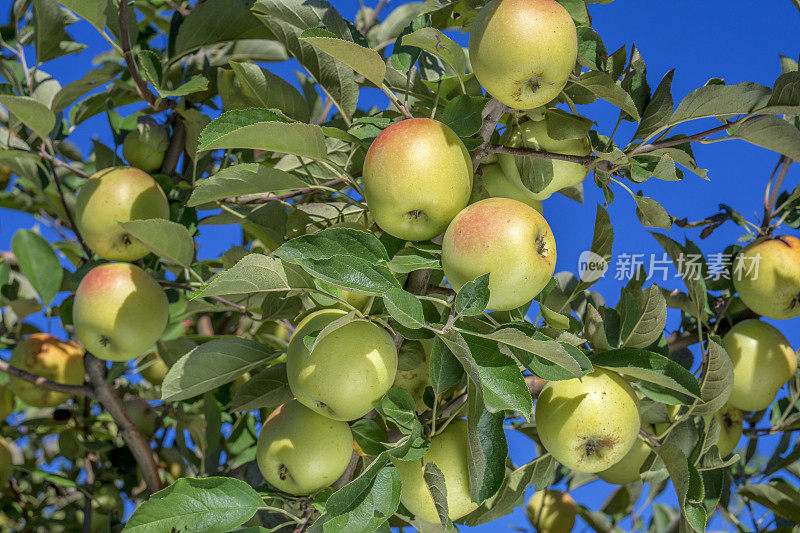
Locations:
{"points": [[650, 438], [373, 18], [87, 498], [64, 164], [177, 143], [769, 205], [491, 116], [269, 197], [692, 138], [589, 161], [73, 226], [39, 381]]}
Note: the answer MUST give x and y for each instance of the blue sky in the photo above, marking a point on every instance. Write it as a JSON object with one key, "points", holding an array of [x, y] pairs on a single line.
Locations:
{"points": [[737, 40]]}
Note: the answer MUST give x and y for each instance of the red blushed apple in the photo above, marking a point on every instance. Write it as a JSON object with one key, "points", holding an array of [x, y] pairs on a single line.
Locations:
{"points": [[417, 177], [51, 358], [507, 239]]}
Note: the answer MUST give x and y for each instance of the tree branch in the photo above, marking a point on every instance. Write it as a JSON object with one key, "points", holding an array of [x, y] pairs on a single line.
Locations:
{"points": [[60, 163], [140, 448], [72, 390], [374, 16], [73, 226], [679, 340], [589, 161], [268, 197], [177, 143], [692, 138], [491, 116]]}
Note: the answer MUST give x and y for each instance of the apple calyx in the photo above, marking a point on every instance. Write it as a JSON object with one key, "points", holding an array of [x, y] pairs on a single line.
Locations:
{"points": [[596, 446]]}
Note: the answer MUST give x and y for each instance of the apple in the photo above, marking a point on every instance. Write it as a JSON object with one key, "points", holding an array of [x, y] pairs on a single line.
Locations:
{"points": [[119, 311], [351, 368], [300, 451], [766, 274], [6, 402], [533, 134], [763, 361], [141, 414], [497, 185], [507, 239], [523, 51], [5, 176], [50, 358], [153, 368], [551, 511], [588, 424], [448, 451], [6, 462], [417, 177], [626, 470], [145, 147], [416, 379], [106, 497], [731, 422], [112, 196]]}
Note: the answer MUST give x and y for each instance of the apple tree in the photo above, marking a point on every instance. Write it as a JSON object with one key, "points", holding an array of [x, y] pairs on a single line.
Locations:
{"points": [[387, 313]]}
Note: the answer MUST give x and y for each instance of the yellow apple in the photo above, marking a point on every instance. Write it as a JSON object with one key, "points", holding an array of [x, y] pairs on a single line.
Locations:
{"points": [[50, 358], [111, 196], [6, 462], [507, 239], [417, 177], [494, 181], [533, 134], [523, 51], [766, 274], [119, 311], [588, 424], [351, 368], [153, 368], [731, 423], [626, 470], [300, 451], [763, 361], [551, 511], [6, 402], [145, 147], [448, 451]]}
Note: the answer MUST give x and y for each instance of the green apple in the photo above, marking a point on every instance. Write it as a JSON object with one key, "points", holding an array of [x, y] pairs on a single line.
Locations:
{"points": [[417, 378], [448, 451], [119, 311], [350, 368], [5, 176], [507, 239], [6, 402], [50, 358], [523, 51], [533, 134], [731, 424], [417, 177], [145, 147], [551, 511], [588, 424], [494, 181], [626, 470], [112, 196], [153, 368], [766, 274], [6, 462], [763, 361], [300, 451], [106, 498], [141, 414]]}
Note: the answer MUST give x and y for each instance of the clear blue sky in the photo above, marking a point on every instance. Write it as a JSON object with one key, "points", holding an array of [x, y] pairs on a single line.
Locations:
{"points": [[737, 40]]}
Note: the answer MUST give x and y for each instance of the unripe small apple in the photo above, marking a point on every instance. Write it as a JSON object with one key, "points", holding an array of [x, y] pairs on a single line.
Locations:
{"points": [[533, 134], [7, 399], [588, 424], [6, 462], [153, 368], [119, 311], [448, 451], [523, 51], [731, 422], [763, 361], [415, 380], [417, 177], [626, 470], [145, 147], [351, 367], [300, 451], [50, 358], [766, 274], [141, 414], [112, 196], [507, 239], [551, 511], [497, 185]]}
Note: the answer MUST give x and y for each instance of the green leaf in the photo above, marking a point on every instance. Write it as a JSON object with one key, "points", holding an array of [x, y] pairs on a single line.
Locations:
{"points": [[255, 273], [364, 504], [651, 368], [215, 504], [717, 382], [658, 111], [695, 284], [268, 388], [536, 345], [241, 180], [91, 81], [212, 364], [38, 263], [778, 495], [437, 43], [772, 133], [262, 129], [168, 240], [363, 60], [592, 52], [651, 214], [404, 307], [369, 436], [49, 29], [503, 385], [473, 297], [397, 406], [602, 85], [270, 91], [92, 10], [721, 101], [443, 367], [464, 114], [785, 99], [643, 325], [487, 449], [435, 483], [33, 114], [688, 485], [602, 243]]}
